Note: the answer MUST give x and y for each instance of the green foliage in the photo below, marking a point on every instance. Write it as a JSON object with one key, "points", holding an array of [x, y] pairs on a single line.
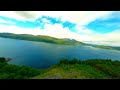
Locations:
{"points": [[73, 61], [108, 67], [9, 71], [64, 61], [71, 69], [2, 60]]}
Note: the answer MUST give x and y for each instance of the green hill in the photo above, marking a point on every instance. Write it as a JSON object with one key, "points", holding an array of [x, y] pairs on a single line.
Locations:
{"points": [[107, 47], [104, 47], [90, 69], [40, 38], [65, 69], [49, 39]]}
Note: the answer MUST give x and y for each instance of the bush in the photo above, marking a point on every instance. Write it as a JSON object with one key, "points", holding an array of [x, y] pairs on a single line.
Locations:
{"points": [[2, 60], [73, 61], [64, 61], [9, 71]]}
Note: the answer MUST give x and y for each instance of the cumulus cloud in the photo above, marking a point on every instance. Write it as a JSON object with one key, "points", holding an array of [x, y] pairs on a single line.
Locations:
{"points": [[113, 36], [11, 14], [58, 31], [6, 22], [45, 20], [25, 14], [80, 18], [55, 30], [110, 39]]}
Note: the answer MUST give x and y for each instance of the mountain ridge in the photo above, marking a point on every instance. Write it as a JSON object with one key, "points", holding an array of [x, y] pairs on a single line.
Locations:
{"points": [[41, 38], [49, 39]]}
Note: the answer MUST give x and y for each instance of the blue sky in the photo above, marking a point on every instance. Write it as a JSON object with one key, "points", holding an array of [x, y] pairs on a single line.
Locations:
{"points": [[79, 25], [104, 26], [39, 22]]}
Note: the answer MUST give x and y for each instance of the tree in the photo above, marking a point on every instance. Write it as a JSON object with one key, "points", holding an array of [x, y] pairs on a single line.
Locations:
{"points": [[2, 60]]}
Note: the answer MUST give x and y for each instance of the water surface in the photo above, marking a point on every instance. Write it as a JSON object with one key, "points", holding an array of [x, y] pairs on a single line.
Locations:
{"points": [[43, 55]]}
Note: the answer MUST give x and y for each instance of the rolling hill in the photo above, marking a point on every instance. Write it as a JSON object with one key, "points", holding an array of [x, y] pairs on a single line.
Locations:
{"points": [[40, 38], [48, 39]]}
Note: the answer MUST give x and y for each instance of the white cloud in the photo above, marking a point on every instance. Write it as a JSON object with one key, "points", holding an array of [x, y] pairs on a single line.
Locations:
{"points": [[115, 14], [111, 39], [81, 18], [84, 30], [84, 17], [113, 36], [45, 20], [58, 31], [25, 14], [11, 14], [6, 22], [78, 17]]}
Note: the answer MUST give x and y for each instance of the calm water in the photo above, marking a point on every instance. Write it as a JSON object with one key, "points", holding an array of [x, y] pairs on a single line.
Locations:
{"points": [[43, 55]]}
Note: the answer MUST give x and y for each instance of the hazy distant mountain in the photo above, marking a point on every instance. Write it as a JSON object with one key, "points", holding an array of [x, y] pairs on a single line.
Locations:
{"points": [[71, 40], [106, 47]]}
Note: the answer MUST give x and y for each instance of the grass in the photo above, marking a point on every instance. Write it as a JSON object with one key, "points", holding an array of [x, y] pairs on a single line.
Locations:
{"points": [[89, 69], [74, 72], [65, 69], [40, 38]]}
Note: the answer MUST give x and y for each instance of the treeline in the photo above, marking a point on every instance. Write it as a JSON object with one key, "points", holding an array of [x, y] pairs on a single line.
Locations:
{"points": [[106, 66], [9, 71], [111, 68]]}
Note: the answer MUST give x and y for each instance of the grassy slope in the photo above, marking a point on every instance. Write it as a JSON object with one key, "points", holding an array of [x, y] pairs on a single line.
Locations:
{"points": [[74, 72], [93, 69], [66, 69], [39, 38]]}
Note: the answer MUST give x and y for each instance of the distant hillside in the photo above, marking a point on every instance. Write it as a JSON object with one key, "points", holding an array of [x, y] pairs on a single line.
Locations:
{"points": [[48, 39], [107, 47], [103, 46], [40, 38]]}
